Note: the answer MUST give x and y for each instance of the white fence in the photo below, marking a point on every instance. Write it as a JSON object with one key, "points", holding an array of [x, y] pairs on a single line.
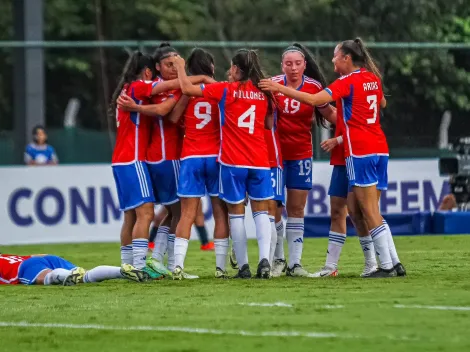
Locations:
{"points": [[79, 203]]}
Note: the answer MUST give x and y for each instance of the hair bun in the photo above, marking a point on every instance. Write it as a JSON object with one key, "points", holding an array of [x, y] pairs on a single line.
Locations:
{"points": [[164, 44]]}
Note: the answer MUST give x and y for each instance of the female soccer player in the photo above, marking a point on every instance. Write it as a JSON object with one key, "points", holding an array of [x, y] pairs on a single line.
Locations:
{"points": [[295, 119], [243, 156], [199, 171], [360, 94], [39, 152]]}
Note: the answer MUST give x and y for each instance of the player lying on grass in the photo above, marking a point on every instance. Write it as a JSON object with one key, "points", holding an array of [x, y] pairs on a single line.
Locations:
{"points": [[43, 269]]}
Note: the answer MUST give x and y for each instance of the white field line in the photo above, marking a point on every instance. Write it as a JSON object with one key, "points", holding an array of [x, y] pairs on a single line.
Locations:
{"points": [[416, 306], [276, 304], [177, 329], [332, 306]]}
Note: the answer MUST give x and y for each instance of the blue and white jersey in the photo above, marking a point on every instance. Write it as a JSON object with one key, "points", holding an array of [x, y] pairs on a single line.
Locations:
{"points": [[40, 154]]}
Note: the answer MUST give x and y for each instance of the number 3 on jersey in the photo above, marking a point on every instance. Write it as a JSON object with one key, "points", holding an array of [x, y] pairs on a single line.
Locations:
{"points": [[247, 119], [204, 116], [372, 100]]}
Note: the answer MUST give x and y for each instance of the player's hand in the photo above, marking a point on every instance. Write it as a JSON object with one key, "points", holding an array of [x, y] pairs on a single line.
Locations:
{"points": [[269, 85], [329, 144], [178, 61], [126, 103], [209, 80]]}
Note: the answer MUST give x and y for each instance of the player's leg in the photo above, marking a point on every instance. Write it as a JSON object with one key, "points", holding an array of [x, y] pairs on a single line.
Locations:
{"points": [[275, 209], [140, 233], [272, 208], [232, 190], [365, 240], [160, 215], [126, 236], [260, 192], [107, 272], [161, 240], [298, 183], [280, 263], [52, 270], [206, 244], [362, 174]]}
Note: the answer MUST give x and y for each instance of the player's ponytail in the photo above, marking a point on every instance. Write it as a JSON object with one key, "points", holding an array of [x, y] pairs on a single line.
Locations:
{"points": [[200, 62], [360, 55], [312, 70], [131, 72], [249, 64]]}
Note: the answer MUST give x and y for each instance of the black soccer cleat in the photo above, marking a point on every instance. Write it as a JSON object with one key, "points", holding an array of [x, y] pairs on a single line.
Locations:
{"points": [[400, 269], [382, 273], [264, 269], [243, 273]]}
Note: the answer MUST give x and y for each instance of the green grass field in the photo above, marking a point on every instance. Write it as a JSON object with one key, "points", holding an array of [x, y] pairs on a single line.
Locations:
{"points": [[346, 313]]}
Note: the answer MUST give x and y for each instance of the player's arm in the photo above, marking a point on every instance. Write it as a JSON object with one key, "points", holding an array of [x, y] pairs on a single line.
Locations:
{"points": [[383, 102], [128, 104], [165, 86], [269, 121], [187, 87], [331, 143], [179, 109], [329, 113], [306, 98]]}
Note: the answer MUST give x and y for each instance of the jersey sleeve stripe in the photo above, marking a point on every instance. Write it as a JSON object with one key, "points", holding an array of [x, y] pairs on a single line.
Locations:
{"points": [[316, 83], [328, 90]]}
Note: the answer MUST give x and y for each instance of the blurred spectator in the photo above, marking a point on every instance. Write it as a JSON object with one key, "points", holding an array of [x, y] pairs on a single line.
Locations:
{"points": [[39, 152], [448, 203]]}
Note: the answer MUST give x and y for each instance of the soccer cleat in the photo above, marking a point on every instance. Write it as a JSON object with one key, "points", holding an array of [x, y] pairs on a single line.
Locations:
{"points": [[233, 260], [243, 273], [400, 269], [130, 273], [368, 269], [221, 274], [279, 267], [382, 273], [264, 269], [189, 276], [179, 274], [157, 267], [297, 271], [207, 247], [326, 271], [75, 277]]}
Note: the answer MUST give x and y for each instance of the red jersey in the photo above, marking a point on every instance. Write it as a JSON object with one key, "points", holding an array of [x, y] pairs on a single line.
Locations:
{"points": [[274, 146], [337, 154], [166, 137], [243, 108], [201, 129], [295, 120], [133, 129], [360, 94], [9, 267]]}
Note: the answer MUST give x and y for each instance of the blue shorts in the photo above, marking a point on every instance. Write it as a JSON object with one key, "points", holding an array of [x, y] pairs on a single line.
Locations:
{"points": [[198, 175], [133, 185], [164, 177], [339, 185], [235, 182], [278, 185], [368, 171], [32, 267], [298, 174]]}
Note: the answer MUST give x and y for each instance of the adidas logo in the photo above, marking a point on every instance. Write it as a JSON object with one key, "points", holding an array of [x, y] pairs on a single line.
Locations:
{"points": [[299, 240]]}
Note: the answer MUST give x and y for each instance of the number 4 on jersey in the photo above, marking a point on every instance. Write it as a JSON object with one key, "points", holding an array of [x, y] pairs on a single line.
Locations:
{"points": [[247, 119]]}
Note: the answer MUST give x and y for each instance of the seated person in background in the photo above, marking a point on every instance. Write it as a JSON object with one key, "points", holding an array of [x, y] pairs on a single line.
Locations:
{"points": [[448, 203], [39, 152], [44, 269]]}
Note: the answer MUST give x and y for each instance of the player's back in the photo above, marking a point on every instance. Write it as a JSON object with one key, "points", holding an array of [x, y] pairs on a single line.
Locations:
{"points": [[9, 267], [201, 128], [133, 128], [166, 137], [243, 115]]}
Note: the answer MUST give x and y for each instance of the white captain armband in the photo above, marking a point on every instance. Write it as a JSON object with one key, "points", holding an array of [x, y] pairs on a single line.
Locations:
{"points": [[340, 139]]}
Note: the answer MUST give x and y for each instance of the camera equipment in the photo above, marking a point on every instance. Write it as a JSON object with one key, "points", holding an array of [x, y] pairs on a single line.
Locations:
{"points": [[457, 166]]}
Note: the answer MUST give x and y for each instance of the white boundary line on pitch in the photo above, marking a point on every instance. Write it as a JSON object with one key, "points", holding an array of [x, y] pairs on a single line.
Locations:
{"points": [[276, 304], [188, 330], [417, 306]]}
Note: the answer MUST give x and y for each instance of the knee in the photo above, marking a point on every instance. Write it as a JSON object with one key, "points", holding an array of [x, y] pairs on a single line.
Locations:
{"points": [[295, 211]]}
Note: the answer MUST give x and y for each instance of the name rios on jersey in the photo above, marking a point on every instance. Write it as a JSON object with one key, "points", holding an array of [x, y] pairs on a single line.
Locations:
{"points": [[370, 86], [249, 95]]}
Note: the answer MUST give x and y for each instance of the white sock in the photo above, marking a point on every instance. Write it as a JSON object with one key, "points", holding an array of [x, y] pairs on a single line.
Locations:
{"points": [[279, 252], [161, 243], [171, 252], [368, 249], [238, 232], [102, 273], [391, 244], [295, 240], [181, 248], [56, 276], [272, 248], [126, 255], [263, 234], [221, 251], [380, 237], [335, 245], [139, 252]]}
